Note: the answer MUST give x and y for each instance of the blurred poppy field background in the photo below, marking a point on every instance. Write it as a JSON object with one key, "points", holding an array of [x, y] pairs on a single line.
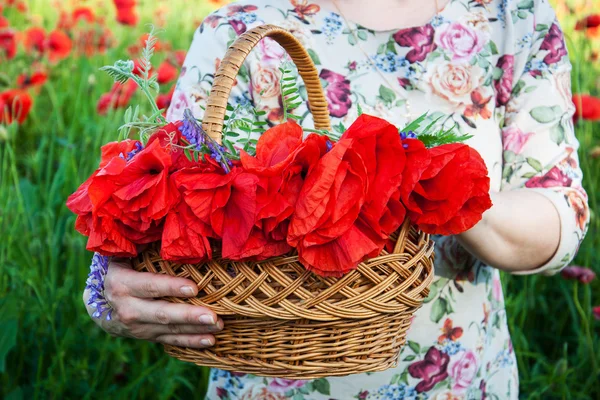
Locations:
{"points": [[57, 108]]}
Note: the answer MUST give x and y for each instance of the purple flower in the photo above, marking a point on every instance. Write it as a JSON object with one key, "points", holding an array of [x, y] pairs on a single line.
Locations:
{"points": [[95, 284], [338, 92], [503, 85], [138, 148], [192, 131], [554, 42], [420, 39], [582, 274], [431, 370]]}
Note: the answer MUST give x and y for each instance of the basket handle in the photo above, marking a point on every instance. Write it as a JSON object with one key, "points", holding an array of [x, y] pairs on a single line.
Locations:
{"points": [[216, 106]]}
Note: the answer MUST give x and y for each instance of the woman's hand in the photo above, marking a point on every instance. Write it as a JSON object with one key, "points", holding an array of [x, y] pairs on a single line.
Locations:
{"points": [[136, 314]]}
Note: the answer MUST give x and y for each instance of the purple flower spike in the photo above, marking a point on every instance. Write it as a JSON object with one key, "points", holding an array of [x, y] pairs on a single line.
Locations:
{"points": [[95, 284]]}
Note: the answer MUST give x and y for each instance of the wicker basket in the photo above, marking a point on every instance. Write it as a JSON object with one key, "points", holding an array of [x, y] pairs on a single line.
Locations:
{"points": [[280, 319]]}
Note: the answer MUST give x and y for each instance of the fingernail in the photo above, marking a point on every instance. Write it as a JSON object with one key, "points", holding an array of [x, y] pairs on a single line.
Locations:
{"points": [[206, 342], [187, 291], [207, 319]]}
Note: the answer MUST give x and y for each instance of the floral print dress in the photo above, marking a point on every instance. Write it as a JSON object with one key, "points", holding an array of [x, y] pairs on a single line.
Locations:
{"points": [[498, 70]]}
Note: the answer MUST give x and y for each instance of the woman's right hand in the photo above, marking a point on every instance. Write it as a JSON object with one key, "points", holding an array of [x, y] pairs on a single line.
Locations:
{"points": [[137, 314]]}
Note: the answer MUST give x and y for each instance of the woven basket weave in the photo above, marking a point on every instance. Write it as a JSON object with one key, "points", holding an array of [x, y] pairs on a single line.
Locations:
{"points": [[281, 320]]}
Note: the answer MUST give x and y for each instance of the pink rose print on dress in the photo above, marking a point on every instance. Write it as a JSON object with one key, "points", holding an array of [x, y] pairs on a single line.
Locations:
{"points": [[503, 85], [554, 177], [271, 51], [554, 42], [462, 41], [431, 370], [514, 139], [281, 385], [462, 369], [497, 288], [420, 39], [338, 92]]}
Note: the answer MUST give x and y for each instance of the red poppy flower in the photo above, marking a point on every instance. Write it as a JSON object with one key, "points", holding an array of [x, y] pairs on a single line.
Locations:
{"points": [[226, 202], [126, 12], [178, 57], [163, 101], [185, 237], [452, 193], [449, 332], [8, 43], [15, 105], [83, 14], [35, 39], [380, 147], [118, 97], [591, 21], [325, 228], [38, 78], [3, 22], [587, 107], [281, 160], [59, 45], [106, 235], [166, 72], [170, 135]]}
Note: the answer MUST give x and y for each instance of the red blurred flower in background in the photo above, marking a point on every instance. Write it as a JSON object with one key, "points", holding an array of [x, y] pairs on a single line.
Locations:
{"points": [[589, 24], [8, 43], [88, 31], [596, 312], [582, 274], [167, 72], [15, 105], [118, 97], [586, 107], [126, 12], [163, 101], [25, 81], [57, 44]]}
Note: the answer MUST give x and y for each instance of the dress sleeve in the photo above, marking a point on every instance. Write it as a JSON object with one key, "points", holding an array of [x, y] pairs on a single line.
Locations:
{"points": [[539, 143], [209, 45]]}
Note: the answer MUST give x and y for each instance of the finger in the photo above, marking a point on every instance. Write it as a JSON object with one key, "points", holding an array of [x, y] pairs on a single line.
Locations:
{"points": [[193, 341], [164, 313], [150, 285], [152, 331]]}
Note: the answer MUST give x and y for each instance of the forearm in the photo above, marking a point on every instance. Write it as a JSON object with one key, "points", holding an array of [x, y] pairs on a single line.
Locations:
{"points": [[520, 232]]}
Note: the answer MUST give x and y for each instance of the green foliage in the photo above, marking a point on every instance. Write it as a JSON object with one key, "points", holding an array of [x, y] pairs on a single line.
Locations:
{"points": [[430, 134], [289, 90]]}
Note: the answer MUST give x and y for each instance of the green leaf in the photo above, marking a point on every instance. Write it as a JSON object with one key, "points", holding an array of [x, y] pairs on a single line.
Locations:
{"points": [[529, 89], [528, 175], [298, 396], [438, 309], [362, 35], [509, 156], [483, 62], [386, 94], [409, 358], [414, 346], [525, 5], [557, 134], [535, 164], [10, 324], [498, 73], [322, 386], [518, 87], [381, 48], [507, 172], [433, 291], [493, 48], [545, 114], [541, 27], [351, 39], [359, 109], [522, 14], [314, 56]]}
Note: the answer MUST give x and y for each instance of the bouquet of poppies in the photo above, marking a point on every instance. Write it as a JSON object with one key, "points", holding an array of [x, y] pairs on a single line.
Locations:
{"points": [[335, 199]]}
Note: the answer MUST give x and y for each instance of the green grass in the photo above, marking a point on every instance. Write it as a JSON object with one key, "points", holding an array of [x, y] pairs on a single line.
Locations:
{"points": [[60, 353]]}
